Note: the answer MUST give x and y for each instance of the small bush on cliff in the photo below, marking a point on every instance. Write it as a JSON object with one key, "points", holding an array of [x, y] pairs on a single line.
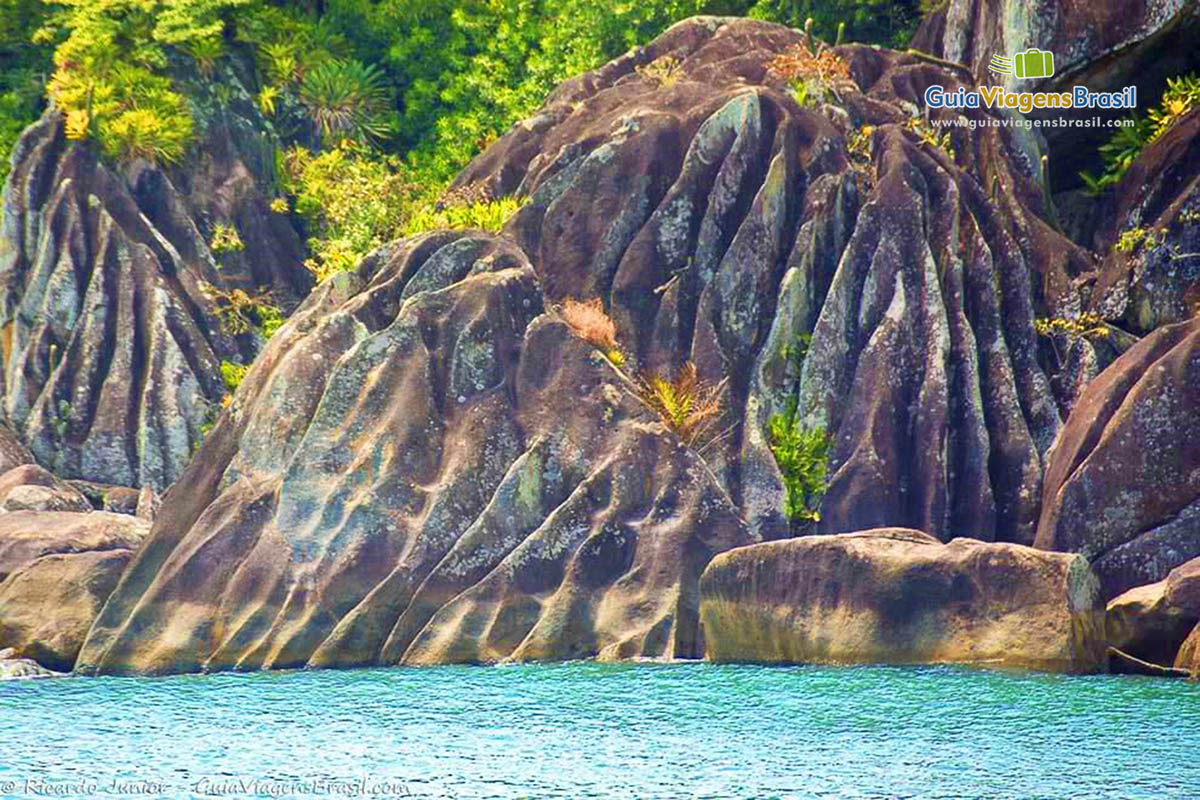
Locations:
{"points": [[803, 457], [595, 327], [110, 68], [353, 201], [240, 312], [484, 214], [685, 402], [1127, 143]]}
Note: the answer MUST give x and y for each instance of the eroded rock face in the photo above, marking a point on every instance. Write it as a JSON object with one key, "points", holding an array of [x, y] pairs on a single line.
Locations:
{"points": [[901, 596], [426, 465], [423, 466], [56, 571], [1156, 207], [1094, 44], [111, 341], [1145, 624], [719, 221], [1123, 480]]}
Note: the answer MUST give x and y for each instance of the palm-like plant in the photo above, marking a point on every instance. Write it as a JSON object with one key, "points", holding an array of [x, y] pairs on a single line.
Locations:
{"points": [[346, 100], [686, 403]]}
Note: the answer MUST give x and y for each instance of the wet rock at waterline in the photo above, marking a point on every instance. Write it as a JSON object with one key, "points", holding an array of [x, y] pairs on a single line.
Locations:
{"points": [[112, 336], [13, 667], [901, 596], [56, 571], [1189, 655], [1145, 624]]}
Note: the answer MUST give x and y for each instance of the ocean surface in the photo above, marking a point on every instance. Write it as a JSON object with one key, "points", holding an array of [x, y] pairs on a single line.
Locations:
{"points": [[582, 730]]}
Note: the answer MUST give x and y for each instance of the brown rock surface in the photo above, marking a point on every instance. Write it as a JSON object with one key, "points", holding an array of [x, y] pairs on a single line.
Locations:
{"points": [[1144, 623], [1189, 654], [1123, 480], [32, 488], [56, 571], [111, 342], [901, 596], [425, 465]]}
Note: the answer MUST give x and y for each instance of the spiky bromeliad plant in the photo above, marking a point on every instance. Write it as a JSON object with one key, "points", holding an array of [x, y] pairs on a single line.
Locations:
{"points": [[686, 403], [346, 100]]}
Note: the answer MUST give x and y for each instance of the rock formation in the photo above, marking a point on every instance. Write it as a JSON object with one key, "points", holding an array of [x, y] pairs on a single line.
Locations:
{"points": [[1154, 279], [112, 339], [1123, 480], [427, 465], [900, 596], [56, 571]]}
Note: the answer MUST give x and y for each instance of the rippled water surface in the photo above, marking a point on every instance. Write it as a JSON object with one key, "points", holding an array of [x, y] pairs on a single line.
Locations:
{"points": [[597, 730]]}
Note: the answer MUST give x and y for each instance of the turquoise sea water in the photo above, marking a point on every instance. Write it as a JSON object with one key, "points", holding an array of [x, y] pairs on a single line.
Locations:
{"points": [[599, 730]]}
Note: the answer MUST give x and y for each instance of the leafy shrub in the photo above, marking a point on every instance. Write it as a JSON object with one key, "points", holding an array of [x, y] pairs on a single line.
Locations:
{"points": [[687, 404], [240, 312], [814, 71], [346, 100], [353, 200], [109, 69], [1181, 96], [1129, 140], [1077, 327], [487, 215], [225, 239], [594, 326], [803, 457], [233, 374]]}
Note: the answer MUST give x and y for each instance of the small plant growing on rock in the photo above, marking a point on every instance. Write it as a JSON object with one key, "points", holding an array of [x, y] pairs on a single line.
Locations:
{"points": [[239, 311], [1077, 327], [1134, 238], [814, 71], [594, 326], [685, 402], [928, 135], [225, 239], [488, 215], [1181, 96], [803, 457], [664, 71]]}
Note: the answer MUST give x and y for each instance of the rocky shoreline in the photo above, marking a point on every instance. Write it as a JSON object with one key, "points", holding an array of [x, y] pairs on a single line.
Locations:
{"points": [[430, 463]]}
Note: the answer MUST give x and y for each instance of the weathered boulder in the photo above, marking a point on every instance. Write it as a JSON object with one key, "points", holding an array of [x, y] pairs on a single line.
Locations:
{"points": [[1189, 654], [1143, 623], [901, 596], [1154, 279], [112, 337], [56, 571], [13, 667], [32, 488], [1105, 46], [1123, 479], [423, 466]]}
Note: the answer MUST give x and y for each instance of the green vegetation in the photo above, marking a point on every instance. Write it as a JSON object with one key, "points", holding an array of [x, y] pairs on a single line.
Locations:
{"points": [[1078, 327], [685, 402], [225, 239], [233, 374], [241, 312], [1181, 96], [802, 454]]}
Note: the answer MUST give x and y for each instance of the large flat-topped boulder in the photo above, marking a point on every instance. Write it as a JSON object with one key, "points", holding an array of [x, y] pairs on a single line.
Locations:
{"points": [[902, 597]]}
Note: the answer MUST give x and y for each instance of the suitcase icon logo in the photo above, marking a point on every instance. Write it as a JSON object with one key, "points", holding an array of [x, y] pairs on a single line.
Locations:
{"points": [[1033, 63]]}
